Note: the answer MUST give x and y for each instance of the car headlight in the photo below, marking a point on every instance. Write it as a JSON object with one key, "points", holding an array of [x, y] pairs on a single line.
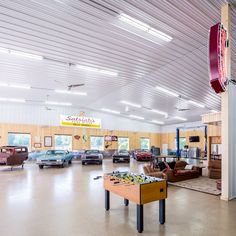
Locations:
{"points": [[59, 160]]}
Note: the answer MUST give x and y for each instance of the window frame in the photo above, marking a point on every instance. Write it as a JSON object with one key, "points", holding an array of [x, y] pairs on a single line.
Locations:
{"points": [[118, 143], [97, 136], [68, 149], [149, 143], [20, 133]]}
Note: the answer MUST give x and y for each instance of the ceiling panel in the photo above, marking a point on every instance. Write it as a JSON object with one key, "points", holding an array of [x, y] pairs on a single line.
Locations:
{"points": [[70, 32]]}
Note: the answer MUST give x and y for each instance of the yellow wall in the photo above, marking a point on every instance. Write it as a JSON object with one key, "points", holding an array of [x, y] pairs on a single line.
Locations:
{"points": [[169, 138], [37, 130]]}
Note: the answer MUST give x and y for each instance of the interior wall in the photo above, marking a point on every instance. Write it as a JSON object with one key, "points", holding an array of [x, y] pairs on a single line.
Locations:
{"points": [[168, 134], [38, 115], [41, 131]]}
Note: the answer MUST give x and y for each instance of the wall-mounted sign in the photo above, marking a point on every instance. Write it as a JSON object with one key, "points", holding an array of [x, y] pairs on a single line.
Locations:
{"points": [[80, 121], [109, 138], [217, 45]]}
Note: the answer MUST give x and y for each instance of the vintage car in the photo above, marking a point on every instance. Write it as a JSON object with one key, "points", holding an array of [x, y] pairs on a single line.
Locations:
{"points": [[142, 155], [36, 154], [92, 156], [13, 155], [121, 155], [77, 154], [55, 158]]}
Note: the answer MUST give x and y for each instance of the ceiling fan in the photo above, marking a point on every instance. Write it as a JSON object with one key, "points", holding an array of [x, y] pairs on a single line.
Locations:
{"points": [[181, 105]]}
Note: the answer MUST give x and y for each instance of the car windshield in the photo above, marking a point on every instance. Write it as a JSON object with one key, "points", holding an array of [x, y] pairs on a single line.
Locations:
{"points": [[55, 152], [123, 151], [91, 151]]}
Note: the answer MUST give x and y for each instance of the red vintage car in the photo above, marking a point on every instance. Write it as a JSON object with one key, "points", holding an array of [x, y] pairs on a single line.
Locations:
{"points": [[142, 155], [13, 155]]}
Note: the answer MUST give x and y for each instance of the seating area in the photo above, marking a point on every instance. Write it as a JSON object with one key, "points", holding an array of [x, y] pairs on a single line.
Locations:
{"points": [[179, 172]]}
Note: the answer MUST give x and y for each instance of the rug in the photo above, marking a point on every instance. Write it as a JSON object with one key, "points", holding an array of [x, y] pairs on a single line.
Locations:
{"points": [[201, 184]]}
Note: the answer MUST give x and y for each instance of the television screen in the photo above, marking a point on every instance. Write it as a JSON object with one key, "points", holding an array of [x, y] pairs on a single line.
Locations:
{"points": [[194, 139]]}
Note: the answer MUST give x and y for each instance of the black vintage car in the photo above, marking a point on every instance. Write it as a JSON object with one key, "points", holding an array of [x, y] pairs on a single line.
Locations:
{"points": [[121, 155]]}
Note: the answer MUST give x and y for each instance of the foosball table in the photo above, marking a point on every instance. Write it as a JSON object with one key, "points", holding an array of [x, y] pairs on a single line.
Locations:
{"points": [[139, 189]]}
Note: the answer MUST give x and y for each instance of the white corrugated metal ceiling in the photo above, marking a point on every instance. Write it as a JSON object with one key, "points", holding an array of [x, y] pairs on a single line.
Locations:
{"points": [[85, 32]]}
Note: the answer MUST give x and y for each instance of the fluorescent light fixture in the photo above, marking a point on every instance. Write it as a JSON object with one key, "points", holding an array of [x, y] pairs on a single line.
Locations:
{"points": [[158, 122], [144, 27], [21, 54], [166, 91], [4, 50], [160, 112], [96, 70], [196, 104], [111, 111], [136, 117], [214, 111], [70, 92], [179, 118], [131, 104], [58, 103], [19, 86], [12, 100]]}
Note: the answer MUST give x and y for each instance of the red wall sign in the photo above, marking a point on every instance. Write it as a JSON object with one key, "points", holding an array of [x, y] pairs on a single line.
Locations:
{"points": [[217, 44]]}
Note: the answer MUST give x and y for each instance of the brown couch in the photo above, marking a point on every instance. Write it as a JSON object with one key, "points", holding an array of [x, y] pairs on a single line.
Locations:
{"points": [[150, 171], [214, 169], [179, 173]]}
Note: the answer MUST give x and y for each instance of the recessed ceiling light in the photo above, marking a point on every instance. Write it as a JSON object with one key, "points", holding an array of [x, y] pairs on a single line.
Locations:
{"points": [[111, 111], [144, 27], [160, 112], [158, 122], [131, 104], [58, 103], [166, 91], [196, 104], [21, 54], [12, 100], [96, 70], [70, 92], [179, 118], [136, 117]]}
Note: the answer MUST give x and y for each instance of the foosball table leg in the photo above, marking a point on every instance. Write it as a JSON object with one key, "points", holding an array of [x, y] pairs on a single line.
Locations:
{"points": [[126, 202], [140, 218], [107, 200], [162, 211]]}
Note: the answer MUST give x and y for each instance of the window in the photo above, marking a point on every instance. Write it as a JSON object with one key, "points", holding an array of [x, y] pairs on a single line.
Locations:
{"points": [[123, 144], [182, 143], [145, 143], [97, 143], [19, 139], [63, 142]]}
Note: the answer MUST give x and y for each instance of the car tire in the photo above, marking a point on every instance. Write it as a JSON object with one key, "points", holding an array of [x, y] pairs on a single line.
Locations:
{"points": [[40, 166], [114, 161], [70, 162], [63, 165], [83, 163], [100, 163]]}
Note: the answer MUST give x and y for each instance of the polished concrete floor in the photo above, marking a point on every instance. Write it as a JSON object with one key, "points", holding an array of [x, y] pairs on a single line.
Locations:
{"points": [[69, 202]]}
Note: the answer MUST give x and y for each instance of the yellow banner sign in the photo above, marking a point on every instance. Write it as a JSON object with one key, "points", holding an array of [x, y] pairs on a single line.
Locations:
{"points": [[80, 121]]}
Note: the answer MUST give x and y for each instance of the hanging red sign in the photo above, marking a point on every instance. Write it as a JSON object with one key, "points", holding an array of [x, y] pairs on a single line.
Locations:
{"points": [[217, 44]]}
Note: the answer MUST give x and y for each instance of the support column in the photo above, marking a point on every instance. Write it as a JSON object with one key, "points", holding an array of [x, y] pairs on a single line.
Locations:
{"points": [[228, 116], [177, 143]]}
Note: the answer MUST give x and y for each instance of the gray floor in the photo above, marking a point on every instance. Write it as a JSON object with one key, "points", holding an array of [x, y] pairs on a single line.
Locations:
{"points": [[68, 202]]}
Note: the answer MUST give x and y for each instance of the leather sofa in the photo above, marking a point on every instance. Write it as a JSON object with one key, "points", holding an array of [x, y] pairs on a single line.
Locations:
{"points": [[179, 173], [214, 169], [150, 171]]}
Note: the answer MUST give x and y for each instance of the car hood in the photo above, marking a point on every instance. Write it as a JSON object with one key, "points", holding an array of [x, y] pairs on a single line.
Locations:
{"points": [[51, 157]]}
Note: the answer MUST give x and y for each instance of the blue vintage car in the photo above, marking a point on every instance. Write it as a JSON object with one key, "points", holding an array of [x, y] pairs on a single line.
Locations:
{"points": [[35, 154], [55, 158]]}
